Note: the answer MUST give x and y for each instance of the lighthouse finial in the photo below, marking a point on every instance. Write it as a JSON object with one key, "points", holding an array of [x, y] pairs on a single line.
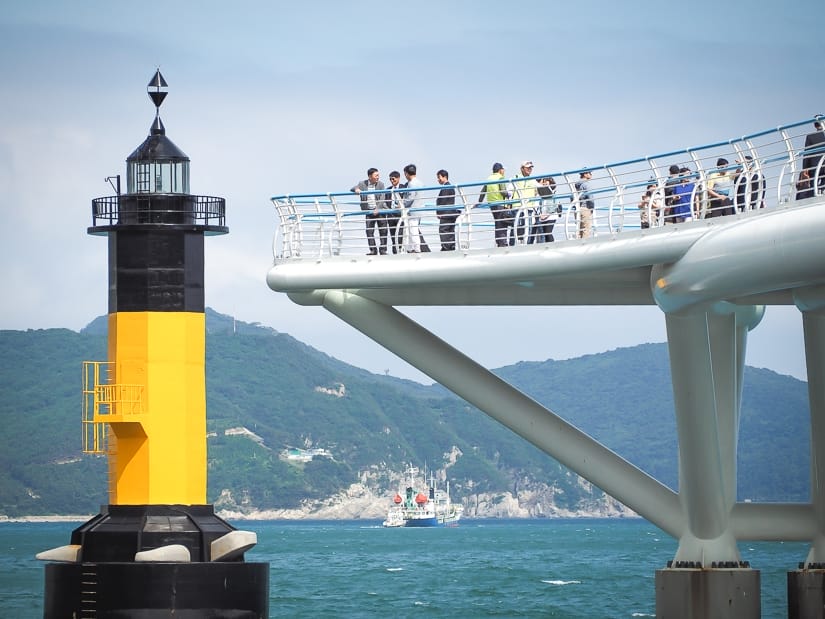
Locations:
{"points": [[157, 96]]}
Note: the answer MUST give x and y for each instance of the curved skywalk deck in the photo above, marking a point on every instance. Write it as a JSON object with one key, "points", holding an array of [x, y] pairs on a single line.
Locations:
{"points": [[711, 277], [320, 242]]}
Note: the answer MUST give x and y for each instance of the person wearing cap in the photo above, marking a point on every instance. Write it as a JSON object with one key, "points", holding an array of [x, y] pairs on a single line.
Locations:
{"points": [[372, 202], [719, 188], [523, 190], [749, 185], [495, 192], [585, 204]]}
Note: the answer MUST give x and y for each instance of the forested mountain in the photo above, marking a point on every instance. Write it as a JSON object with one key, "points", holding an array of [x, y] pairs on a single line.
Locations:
{"points": [[267, 392]]}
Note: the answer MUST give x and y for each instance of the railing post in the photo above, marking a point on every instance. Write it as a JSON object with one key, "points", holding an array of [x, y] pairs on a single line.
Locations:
{"points": [[460, 225], [339, 224], [620, 197]]}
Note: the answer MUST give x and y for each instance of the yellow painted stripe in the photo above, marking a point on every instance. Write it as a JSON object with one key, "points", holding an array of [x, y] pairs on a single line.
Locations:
{"points": [[162, 459]]}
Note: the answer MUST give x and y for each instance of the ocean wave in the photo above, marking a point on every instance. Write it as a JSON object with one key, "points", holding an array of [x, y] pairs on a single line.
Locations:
{"points": [[562, 582]]}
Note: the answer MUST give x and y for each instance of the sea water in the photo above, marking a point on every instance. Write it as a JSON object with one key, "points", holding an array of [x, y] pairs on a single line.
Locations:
{"points": [[483, 568]]}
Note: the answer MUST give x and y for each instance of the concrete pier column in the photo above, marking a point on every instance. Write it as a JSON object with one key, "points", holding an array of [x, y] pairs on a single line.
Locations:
{"points": [[708, 594]]}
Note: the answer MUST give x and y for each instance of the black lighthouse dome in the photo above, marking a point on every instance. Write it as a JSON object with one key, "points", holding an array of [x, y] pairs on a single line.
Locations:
{"points": [[157, 165]]}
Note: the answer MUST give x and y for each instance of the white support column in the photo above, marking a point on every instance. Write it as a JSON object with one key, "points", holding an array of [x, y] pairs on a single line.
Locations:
{"points": [[523, 415], [814, 328], [702, 488], [812, 303], [726, 385], [728, 327]]}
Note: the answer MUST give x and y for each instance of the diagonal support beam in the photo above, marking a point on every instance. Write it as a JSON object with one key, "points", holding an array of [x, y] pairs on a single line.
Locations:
{"points": [[526, 417]]}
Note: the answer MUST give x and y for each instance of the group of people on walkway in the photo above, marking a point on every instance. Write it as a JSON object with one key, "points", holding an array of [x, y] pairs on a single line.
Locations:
{"points": [[385, 206], [522, 208], [525, 210], [727, 190]]}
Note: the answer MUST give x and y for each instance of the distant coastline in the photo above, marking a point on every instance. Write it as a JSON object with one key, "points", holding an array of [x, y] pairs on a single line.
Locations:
{"points": [[359, 503]]}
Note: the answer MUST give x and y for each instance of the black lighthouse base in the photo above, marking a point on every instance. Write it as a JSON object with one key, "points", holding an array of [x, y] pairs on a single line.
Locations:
{"points": [[107, 582], [155, 590]]}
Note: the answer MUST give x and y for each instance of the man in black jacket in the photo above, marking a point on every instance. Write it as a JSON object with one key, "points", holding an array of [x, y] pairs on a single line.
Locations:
{"points": [[447, 214], [815, 154]]}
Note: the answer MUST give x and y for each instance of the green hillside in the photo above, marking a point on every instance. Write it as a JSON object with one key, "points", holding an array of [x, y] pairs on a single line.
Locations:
{"points": [[283, 393]]}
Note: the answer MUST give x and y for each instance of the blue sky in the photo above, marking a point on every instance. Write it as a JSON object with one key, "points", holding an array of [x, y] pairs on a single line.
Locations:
{"points": [[269, 98]]}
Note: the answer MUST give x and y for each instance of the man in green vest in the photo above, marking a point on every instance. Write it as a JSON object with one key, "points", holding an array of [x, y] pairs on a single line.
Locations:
{"points": [[498, 199]]}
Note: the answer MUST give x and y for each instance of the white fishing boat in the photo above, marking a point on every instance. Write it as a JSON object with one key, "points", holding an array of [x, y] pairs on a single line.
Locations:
{"points": [[395, 516]]}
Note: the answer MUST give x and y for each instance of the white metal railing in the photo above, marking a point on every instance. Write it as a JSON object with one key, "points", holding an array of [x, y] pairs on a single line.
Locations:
{"points": [[765, 170]]}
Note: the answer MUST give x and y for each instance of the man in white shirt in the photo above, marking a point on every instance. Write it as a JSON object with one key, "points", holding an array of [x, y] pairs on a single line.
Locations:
{"points": [[413, 199]]}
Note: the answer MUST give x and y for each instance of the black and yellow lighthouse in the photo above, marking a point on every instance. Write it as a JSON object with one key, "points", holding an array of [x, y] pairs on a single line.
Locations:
{"points": [[157, 549]]}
